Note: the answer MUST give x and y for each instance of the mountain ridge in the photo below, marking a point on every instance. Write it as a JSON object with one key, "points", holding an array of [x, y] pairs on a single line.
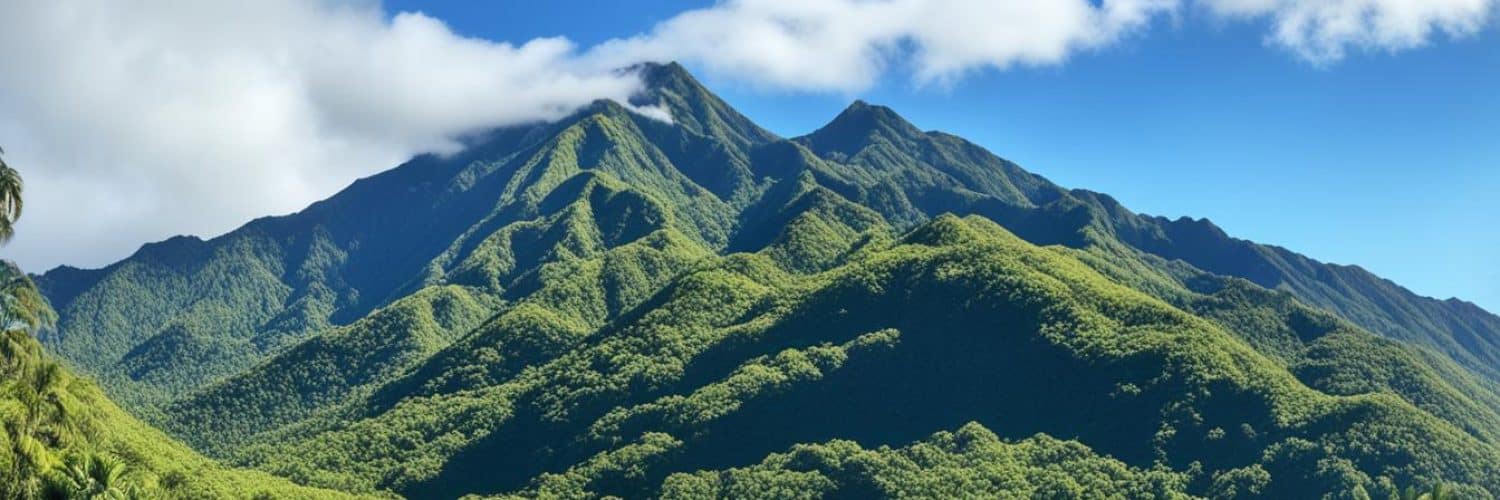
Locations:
{"points": [[610, 274]]}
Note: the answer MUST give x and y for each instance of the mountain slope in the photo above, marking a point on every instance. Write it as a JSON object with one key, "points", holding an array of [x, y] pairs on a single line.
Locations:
{"points": [[888, 150], [959, 322], [615, 304], [185, 312], [52, 417]]}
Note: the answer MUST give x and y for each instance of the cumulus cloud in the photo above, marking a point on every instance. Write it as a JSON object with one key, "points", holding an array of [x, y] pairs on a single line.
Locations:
{"points": [[845, 45], [1322, 31], [136, 120]]}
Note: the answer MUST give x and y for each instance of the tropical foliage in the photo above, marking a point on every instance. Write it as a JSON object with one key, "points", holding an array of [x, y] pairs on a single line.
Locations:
{"points": [[62, 439], [10, 199], [56, 430], [91, 475]]}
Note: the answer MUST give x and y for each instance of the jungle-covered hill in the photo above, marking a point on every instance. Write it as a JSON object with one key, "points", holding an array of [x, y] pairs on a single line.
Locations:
{"points": [[611, 304]]}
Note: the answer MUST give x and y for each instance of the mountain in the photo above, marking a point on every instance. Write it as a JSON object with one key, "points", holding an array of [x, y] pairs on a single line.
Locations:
{"points": [[612, 304]]}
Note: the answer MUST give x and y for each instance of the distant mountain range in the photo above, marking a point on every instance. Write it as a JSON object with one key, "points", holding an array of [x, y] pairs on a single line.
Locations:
{"points": [[611, 304]]}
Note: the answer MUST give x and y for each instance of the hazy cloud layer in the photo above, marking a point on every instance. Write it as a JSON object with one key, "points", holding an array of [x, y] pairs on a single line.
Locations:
{"points": [[136, 120]]}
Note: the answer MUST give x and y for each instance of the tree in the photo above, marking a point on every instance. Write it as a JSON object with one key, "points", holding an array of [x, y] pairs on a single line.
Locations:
{"points": [[34, 409], [16, 347], [21, 309], [37, 420], [90, 475], [10, 199], [1439, 491], [26, 394]]}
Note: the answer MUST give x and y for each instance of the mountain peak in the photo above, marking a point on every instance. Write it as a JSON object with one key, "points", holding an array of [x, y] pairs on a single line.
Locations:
{"points": [[665, 75], [693, 106], [874, 114], [854, 127]]}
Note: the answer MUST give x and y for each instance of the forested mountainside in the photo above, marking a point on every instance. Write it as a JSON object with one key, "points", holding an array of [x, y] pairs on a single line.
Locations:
{"points": [[62, 438], [611, 304]]}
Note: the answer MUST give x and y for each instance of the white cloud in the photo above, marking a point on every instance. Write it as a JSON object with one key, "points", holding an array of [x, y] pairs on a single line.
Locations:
{"points": [[653, 111], [135, 120], [845, 45], [1321, 31]]}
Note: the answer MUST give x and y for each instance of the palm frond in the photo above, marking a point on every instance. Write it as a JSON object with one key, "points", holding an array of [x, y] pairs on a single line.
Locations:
{"points": [[11, 186]]}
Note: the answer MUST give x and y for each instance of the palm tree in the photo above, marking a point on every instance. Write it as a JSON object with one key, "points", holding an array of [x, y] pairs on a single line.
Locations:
{"points": [[29, 453], [21, 303], [35, 415], [21, 310], [90, 476], [10, 199], [37, 419], [16, 347]]}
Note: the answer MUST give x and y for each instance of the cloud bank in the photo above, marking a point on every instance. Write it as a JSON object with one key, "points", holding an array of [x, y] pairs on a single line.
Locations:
{"points": [[137, 120]]}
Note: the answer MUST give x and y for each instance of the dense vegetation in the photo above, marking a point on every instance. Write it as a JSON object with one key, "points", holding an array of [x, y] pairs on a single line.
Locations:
{"points": [[615, 305], [61, 439], [64, 439], [11, 203], [971, 462]]}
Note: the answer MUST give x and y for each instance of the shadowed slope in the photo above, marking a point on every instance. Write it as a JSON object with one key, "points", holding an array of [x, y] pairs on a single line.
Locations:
{"points": [[942, 173], [959, 322]]}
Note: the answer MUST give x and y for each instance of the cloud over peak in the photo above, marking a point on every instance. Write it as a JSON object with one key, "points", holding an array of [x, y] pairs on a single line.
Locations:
{"points": [[134, 121], [138, 120]]}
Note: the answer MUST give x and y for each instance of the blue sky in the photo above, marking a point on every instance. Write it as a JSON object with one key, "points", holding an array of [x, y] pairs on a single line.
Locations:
{"points": [[1356, 132], [1387, 160]]}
